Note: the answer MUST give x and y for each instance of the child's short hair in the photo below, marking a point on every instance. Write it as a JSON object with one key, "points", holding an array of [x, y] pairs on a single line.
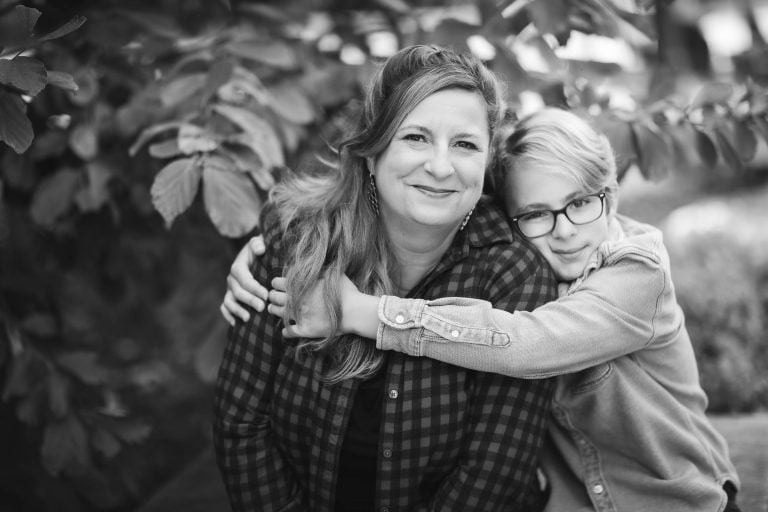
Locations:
{"points": [[560, 142]]}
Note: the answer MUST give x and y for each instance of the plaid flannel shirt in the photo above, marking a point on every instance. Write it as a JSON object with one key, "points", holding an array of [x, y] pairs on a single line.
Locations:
{"points": [[450, 438]]}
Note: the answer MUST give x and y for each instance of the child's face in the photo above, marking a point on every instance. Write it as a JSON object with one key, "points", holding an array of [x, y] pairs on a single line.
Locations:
{"points": [[568, 247]]}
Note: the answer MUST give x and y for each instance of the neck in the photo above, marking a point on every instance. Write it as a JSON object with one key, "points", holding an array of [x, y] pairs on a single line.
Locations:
{"points": [[417, 249]]}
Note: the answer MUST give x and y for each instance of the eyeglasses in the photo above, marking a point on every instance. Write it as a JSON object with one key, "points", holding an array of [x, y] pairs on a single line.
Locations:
{"points": [[582, 210]]}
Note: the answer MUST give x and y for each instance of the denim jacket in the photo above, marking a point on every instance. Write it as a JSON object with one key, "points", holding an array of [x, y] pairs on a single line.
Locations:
{"points": [[628, 429]]}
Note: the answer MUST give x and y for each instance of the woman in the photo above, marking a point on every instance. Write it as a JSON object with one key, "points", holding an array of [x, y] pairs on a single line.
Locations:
{"points": [[335, 424], [629, 430]]}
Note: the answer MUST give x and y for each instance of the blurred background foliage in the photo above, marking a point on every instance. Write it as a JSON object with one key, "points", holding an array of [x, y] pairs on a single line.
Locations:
{"points": [[139, 140]]}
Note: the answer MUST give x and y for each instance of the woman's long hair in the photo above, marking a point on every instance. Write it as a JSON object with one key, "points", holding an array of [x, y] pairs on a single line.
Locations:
{"points": [[329, 224]]}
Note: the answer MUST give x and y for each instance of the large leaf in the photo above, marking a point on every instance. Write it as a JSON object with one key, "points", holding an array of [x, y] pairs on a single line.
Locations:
{"points": [[175, 188], [231, 201], [148, 133], [711, 94], [622, 140], [15, 127], [85, 366], [706, 148], [291, 102], [260, 136], [65, 29], [654, 155], [194, 139], [25, 74], [276, 54], [65, 446], [62, 80], [745, 139], [182, 88], [53, 197], [727, 150], [16, 27], [58, 394]]}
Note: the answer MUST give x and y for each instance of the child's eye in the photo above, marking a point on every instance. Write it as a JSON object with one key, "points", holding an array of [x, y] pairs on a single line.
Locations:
{"points": [[536, 215], [465, 144], [578, 203]]}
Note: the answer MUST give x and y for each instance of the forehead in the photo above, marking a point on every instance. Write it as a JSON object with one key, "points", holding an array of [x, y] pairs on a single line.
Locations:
{"points": [[540, 186], [450, 108]]}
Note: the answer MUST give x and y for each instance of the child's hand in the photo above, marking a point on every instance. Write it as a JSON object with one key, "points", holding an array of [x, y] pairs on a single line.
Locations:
{"points": [[313, 318], [241, 286]]}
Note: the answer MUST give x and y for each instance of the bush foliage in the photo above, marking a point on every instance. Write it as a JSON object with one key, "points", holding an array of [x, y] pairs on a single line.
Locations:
{"points": [[111, 334]]}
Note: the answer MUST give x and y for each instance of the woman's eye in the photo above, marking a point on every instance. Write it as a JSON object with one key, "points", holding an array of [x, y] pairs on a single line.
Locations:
{"points": [[578, 203], [416, 137]]}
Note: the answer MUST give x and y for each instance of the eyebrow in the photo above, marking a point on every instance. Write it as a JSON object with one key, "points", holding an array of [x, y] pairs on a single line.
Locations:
{"points": [[542, 206], [424, 129]]}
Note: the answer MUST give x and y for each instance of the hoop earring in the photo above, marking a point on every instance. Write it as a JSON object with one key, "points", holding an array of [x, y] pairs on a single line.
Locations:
{"points": [[466, 219], [373, 199]]}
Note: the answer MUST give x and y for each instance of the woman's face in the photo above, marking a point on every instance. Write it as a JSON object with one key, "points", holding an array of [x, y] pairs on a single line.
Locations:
{"points": [[431, 173], [568, 247]]}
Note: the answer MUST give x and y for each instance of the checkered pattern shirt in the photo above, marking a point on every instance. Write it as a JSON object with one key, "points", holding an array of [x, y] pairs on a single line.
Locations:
{"points": [[450, 438]]}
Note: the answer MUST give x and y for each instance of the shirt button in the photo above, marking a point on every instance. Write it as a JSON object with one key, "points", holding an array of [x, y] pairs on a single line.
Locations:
{"points": [[455, 333], [387, 453], [393, 394], [399, 319], [598, 489]]}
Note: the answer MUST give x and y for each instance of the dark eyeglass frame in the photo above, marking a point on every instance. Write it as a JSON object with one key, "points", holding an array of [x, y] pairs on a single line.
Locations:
{"points": [[563, 210]]}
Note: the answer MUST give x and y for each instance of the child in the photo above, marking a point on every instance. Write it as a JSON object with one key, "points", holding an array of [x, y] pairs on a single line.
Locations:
{"points": [[628, 428]]}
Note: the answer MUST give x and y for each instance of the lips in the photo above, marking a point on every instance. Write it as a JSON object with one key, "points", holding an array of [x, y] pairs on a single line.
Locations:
{"points": [[433, 191], [569, 253]]}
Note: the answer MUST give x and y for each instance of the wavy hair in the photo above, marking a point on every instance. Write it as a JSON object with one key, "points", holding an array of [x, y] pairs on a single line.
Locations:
{"points": [[559, 142], [330, 227]]}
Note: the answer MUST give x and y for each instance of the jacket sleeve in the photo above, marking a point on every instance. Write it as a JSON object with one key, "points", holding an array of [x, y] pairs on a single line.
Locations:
{"points": [[615, 311], [254, 471], [507, 417]]}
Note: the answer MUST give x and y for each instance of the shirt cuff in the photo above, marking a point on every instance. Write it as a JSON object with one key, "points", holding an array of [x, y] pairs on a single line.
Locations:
{"points": [[400, 325]]}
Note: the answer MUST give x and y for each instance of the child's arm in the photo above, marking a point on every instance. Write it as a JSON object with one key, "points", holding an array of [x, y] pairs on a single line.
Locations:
{"points": [[597, 323]]}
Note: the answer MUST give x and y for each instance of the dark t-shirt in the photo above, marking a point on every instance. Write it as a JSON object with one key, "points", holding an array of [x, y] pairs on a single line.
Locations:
{"points": [[356, 484]]}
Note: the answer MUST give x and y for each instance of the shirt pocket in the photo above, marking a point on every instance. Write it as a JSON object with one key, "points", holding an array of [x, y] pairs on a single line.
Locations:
{"points": [[591, 378]]}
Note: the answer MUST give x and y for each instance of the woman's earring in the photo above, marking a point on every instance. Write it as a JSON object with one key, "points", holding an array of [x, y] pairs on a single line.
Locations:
{"points": [[373, 199], [466, 219]]}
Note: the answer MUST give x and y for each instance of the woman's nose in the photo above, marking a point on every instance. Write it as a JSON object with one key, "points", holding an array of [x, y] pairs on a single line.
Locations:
{"points": [[439, 166]]}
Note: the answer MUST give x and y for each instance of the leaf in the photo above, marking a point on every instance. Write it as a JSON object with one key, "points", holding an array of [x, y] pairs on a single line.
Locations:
{"points": [[175, 188], [218, 75], [53, 197], [147, 134], [41, 325], [248, 161], [261, 137], [622, 140], [165, 149], [276, 54], [290, 102], [65, 29], [65, 446], [96, 194], [231, 201], [711, 94], [761, 126], [331, 85], [182, 88], [453, 33], [15, 127], [62, 80], [746, 141], [58, 394], [83, 141], [131, 431], [654, 155], [24, 74], [16, 28], [87, 87], [85, 366], [726, 150], [706, 147], [194, 139], [105, 443]]}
